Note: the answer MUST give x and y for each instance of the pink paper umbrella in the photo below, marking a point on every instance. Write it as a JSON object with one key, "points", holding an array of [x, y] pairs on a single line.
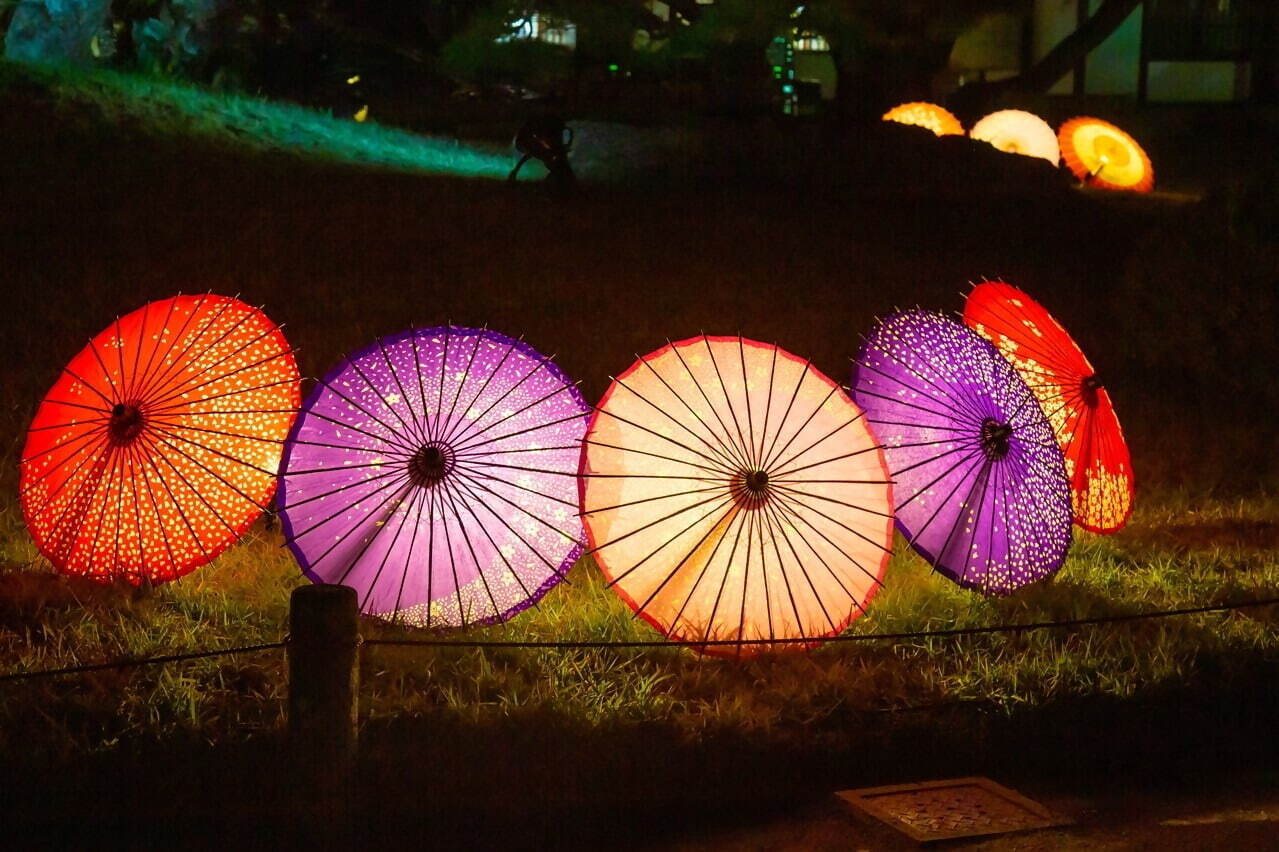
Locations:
{"points": [[435, 473], [735, 497]]}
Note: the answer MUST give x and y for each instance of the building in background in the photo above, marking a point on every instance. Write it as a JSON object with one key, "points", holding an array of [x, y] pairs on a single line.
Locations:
{"points": [[1169, 50]]}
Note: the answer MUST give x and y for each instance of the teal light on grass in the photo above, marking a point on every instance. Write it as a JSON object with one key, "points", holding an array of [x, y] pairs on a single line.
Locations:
{"points": [[168, 108]]}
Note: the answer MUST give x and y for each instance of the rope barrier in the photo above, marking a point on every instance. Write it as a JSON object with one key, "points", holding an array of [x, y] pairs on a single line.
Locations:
{"points": [[133, 662], [803, 640], [570, 644]]}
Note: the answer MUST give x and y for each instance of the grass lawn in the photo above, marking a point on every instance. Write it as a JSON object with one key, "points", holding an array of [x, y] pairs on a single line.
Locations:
{"points": [[108, 204]]}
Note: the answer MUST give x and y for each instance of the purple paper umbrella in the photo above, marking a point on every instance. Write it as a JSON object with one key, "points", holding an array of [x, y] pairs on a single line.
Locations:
{"points": [[979, 481], [435, 473]]}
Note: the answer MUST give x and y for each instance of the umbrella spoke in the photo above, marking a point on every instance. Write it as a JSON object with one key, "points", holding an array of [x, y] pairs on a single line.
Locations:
{"points": [[510, 569], [728, 402], [453, 435], [466, 484], [185, 387], [413, 426], [653, 455], [536, 428], [776, 532], [395, 471], [142, 371], [188, 351], [414, 499], [719, 595], [396, 441], [471, 443], [733, 518], [666, 496], [775, 513], [719, 466], [793, 513], [446, 425], [462, 438], [768, 405], [721, 448], [780, 466], [792, 501], [726, 438], [772, 461], [781, 426]]}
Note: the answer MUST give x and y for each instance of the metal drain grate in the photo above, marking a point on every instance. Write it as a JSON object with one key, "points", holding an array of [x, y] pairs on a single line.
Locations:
{"points": [[944, 810]]}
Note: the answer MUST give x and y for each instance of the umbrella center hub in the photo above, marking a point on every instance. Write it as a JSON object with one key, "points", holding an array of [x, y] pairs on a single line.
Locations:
{"points": [[994, 438], [1088, 390], [125, 424], [430, 464], [750, 487]]}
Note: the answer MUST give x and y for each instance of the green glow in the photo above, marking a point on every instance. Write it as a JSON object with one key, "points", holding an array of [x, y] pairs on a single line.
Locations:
{"points": [[169, 109], [613, 66], [788, 88]]}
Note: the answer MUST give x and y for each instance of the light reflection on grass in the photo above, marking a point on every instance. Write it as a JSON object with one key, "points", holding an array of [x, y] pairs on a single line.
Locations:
{"points": [[168, 108]]}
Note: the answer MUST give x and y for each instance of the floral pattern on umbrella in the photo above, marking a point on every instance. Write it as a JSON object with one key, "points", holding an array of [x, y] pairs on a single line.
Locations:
{"points": [[1071, 396], [435, 472], [159, 443], [980, 483]]}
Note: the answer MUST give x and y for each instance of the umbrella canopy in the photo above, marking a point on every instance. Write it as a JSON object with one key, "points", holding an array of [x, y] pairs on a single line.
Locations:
{"points": [[1102, 155], [159, 443], [435, 473], [1071, 396], [732, 492], [1015, 131], [980, 482], [931, 116]]}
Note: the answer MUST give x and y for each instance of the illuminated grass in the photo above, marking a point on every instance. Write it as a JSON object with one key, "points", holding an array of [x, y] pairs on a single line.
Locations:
{"points": [[167, 108], [1219, 552]]}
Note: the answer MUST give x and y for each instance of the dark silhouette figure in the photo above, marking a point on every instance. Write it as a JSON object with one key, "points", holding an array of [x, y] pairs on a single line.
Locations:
{"points": [[548, 139]]}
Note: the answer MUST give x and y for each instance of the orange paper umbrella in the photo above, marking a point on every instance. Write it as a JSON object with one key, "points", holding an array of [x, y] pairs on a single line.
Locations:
{"points": [[1072, 398], [732, 493], [159, 443], [1102, 155], [1015, 131], [937, 119]]}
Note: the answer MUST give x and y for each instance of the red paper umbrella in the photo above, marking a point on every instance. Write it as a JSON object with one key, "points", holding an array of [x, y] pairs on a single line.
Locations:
{"points": [[159, 443], [1104, 156], [1071, 395]]}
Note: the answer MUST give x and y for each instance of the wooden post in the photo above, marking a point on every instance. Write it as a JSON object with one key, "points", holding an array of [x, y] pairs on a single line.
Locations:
{"points": [[324, 676]]}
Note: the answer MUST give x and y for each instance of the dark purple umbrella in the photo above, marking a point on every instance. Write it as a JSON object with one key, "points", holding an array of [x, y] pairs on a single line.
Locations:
{"points": [[979, 481], [435, 472]]}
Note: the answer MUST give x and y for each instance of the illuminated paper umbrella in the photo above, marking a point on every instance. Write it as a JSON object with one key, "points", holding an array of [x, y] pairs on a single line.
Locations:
{"points": [[1102, 155], [733, 493], [1015, 131], [435, 473], [980, 483], [1071, 396], [159, 443], [931, 116]]}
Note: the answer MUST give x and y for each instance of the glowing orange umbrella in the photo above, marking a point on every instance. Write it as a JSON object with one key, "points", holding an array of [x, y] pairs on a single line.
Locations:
{"points": [[1102, 155], [731, 492], [937, 119], [158, 445], [1071, 396], [1015, 131]]}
